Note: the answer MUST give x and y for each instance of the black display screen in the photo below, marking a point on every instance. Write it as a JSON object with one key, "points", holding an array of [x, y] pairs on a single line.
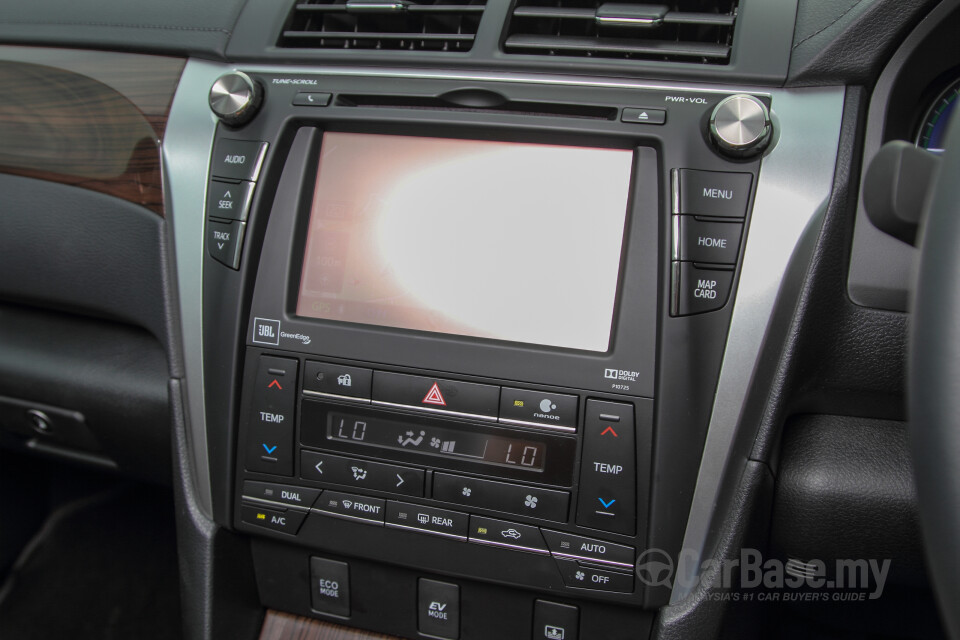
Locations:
{"points": [[445, 442]]}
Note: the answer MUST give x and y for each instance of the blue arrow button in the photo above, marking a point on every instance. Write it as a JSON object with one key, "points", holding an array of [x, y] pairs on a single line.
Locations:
{"points": [[274, 448], [606, 505]]}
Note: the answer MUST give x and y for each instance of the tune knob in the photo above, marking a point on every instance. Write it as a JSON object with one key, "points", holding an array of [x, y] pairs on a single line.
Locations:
{"points": [[740, 126], [235, 98]]}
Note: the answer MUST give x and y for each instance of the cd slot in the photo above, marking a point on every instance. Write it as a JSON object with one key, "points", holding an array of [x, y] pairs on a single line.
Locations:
{"points": [[477, 103]]}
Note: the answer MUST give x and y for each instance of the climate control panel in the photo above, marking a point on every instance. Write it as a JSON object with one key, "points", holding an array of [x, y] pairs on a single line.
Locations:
{"points": [[555, 475]]}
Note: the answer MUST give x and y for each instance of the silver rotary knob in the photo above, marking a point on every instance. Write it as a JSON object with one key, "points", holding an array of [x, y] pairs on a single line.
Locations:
{"points": [[235, 98], [740, 126]]}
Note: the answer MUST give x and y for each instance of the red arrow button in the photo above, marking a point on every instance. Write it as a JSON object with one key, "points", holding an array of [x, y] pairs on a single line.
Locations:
{"points": [[610, 429], [275, 384]]}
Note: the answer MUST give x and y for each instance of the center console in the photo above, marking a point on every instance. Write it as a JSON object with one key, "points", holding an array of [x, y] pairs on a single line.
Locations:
{"points": [[462, 337]]}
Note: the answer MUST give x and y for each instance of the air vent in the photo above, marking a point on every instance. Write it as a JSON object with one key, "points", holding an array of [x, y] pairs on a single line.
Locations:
{"points": [[424, 25], [698, 31]]}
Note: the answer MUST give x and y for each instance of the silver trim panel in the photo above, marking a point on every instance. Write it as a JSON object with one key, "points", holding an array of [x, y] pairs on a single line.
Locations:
{"points": [[321, 394], [599, 561], [443, 412], [538, 425], [796, 178], [344, 516], [429, 532], [187, 145], [515, 547], [273, 503]]}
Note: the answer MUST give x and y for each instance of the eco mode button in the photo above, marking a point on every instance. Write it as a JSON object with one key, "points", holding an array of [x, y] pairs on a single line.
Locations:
{"points": [[330, 586], [714, 193]]}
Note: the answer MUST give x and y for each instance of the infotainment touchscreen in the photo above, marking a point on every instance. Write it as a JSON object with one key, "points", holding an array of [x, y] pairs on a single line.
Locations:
{"points": [[499, 240]]}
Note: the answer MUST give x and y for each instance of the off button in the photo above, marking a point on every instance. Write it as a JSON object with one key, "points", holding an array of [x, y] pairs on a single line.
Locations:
{"points": [[700, 290]]}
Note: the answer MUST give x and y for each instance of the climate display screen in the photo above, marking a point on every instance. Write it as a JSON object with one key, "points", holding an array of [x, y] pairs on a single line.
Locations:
{"points": [[498, 240], [438, 441]]}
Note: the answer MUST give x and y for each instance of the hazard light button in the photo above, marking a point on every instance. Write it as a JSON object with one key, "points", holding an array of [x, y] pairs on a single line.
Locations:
{"points": [[436, 395]]}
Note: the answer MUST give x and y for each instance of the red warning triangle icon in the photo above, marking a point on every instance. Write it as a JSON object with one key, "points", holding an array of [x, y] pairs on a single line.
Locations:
{"points": [[434, 396]]}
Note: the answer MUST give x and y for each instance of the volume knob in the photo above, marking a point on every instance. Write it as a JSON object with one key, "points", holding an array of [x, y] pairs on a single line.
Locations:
{"points": [[740, 126], [235, 98]]}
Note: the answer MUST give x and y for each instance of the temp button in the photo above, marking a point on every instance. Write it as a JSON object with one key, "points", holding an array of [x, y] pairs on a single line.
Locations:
{"points": [[608, 487]]}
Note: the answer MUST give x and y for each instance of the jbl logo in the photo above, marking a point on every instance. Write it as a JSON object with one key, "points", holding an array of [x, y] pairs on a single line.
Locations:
{"points": [[266, 331]]}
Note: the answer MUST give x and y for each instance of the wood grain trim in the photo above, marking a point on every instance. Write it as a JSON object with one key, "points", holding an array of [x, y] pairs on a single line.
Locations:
{"points": [[286, 626], [90, 119]]}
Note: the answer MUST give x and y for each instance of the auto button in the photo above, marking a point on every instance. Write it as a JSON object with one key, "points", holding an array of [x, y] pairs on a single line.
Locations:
{"points": [[568, 545]]}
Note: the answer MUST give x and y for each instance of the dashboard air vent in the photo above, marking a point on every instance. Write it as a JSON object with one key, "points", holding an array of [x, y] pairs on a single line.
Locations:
{"points": [[699, 31], [420, 25]]}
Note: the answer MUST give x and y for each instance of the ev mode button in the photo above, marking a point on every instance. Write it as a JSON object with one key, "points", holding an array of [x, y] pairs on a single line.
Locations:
{"points": [[438, 609]]}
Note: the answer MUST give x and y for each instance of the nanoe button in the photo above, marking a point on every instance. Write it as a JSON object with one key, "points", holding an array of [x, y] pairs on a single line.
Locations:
{"points": [[700, 290], [522, 406], [714, 193], [436, 394]]}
